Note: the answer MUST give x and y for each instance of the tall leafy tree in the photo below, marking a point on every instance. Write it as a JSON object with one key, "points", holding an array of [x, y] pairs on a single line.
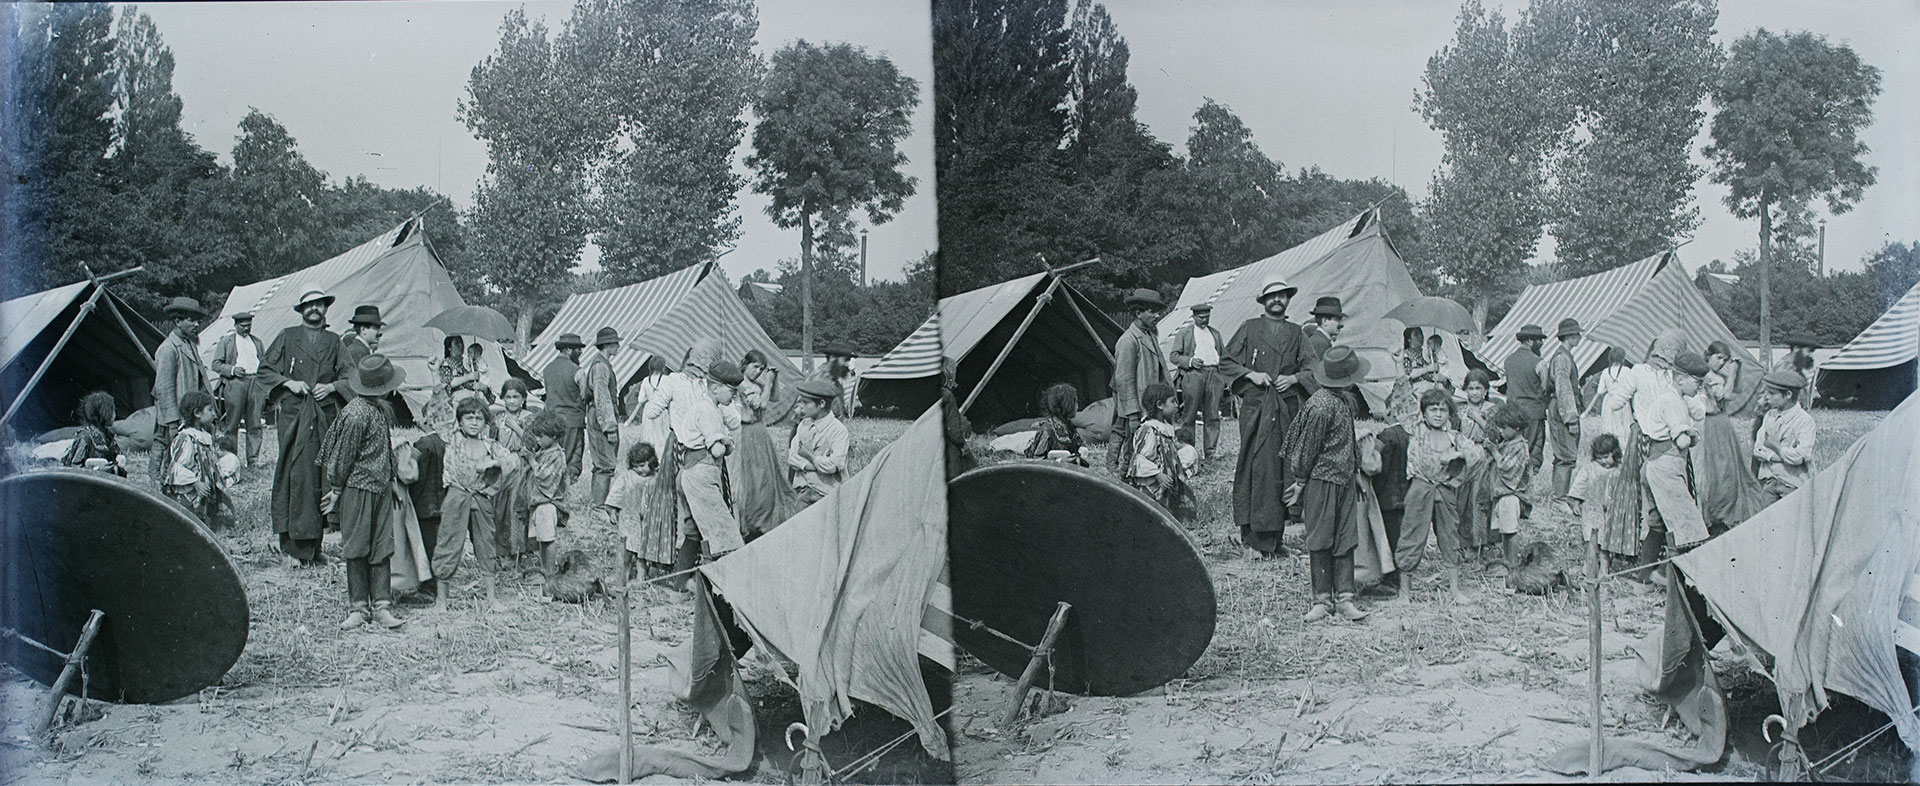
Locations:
{"points": [[1635, 72], [529, 218], [276, 198], [1236, 191], [1789, 110], [827, 144], [662, 85]]}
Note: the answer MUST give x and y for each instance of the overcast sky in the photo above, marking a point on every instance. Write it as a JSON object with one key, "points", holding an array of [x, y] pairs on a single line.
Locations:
{"points": [[1332, 83], [1320, 83], [353, 79]]}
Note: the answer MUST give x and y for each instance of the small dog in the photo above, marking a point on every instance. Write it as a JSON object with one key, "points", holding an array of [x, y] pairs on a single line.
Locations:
{"points": [[573, 580], [1534, 574]]}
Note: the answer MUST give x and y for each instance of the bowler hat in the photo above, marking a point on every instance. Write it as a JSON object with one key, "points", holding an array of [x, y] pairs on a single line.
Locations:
{"points": [[1568, 327], [185, 305], [1328, 306], [1530, 333], [1691, 364], [1803, 340], [1340, 367], [375, 375], [820, 389], [1785, 379], [311, 296], [725, 372], [606, 336], [366, 315], [568, 341], [1276, 287], [1145, 297]]}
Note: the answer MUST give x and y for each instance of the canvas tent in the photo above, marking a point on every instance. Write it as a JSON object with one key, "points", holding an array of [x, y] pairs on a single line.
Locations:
{"points": [[1354, 261], [1009, 341], [397, 271], [66, 342], [663, 316], [1882, 364], [1625, 307]]}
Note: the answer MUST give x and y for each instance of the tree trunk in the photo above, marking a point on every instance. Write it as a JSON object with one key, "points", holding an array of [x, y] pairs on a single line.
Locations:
{"points": [[523, 333], [1479, 323], [1766, 293], [806, 291]]}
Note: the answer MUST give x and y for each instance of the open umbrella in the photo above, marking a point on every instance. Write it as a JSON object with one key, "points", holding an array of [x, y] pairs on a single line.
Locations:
{"points": [[475, 321], [1434, 312]]}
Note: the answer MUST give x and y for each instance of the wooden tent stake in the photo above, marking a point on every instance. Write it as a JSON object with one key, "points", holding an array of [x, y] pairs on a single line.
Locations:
{"points": [[626, 668], [1040, 655], [51, 708], [1596, 745]]}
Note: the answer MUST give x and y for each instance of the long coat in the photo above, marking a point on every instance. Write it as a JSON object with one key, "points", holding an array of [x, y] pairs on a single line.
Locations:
{"points": [[1274, 347], [1137, 363], [176, 371]]}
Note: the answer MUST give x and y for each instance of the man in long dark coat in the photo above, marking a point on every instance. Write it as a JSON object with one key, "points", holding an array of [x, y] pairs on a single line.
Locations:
{"points": [[1137, 363], [562, 397], [1526, 390], [1263, 365], [302, 367]]}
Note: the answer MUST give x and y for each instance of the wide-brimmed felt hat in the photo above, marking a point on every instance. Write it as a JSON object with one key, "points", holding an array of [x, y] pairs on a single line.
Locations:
{"points": [[1340, 367], [568, 341], [820, 389], [311, 296], [1691, 364], [1785, 379], [1568, 327], [726, 372], [375, 375], [244, 316], [1277, 287], [1145, 297], [1328, 306], [185, 305], [1803, 340], [1530, 333], [366, 315], [606, 336]]}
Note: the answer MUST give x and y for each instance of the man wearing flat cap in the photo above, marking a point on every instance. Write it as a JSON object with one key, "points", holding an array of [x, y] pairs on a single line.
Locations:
{"points": [[1563, 409], [562, 397], [597, 397], [363, 334], [177, 371], [303, 367], [1137, 363], [1527, 391], [1785, 443], [236, 359], [1264, 365], [1196, 361]]}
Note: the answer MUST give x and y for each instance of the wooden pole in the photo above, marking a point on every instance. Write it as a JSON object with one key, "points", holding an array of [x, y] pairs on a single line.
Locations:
{"points": [[1597, 744], [51, 708], [1018, 333], [1040, 653], [626, 668]]}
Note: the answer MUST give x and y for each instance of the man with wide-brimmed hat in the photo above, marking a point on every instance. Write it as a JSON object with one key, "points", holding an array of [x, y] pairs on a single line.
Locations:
{"points": [[303, 369], [1321, 451], [561, 396], [1264, 365], [363, 333], [1137, 363], [358, 473], [599, 396], [1328, 319], [1784, 447], [177, 371], [1527, 391], [1196, 361], [236, 359], [1564, 406]]}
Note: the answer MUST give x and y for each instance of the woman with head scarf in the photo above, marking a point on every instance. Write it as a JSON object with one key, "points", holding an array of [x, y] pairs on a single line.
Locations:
{"points": [[662, 549]]}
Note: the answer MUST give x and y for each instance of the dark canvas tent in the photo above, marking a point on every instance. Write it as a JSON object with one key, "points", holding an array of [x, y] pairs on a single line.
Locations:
{"points": [[397, 271], [59, 345], [663, 316], [1354, 261], [1880, 366], [1016, 337]]}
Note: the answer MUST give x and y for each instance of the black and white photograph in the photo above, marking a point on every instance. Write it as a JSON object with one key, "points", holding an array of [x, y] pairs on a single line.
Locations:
{"points": [[960, 391]]}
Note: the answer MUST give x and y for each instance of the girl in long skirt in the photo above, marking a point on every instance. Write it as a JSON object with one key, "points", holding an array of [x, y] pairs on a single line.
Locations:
{"points": [[762, 498], [1729, 493]]}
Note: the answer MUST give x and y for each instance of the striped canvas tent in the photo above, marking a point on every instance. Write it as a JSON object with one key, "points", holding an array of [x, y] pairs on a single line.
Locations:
{"points": [[399, 272], [663, 316], [1880, 366], [66, 342], [1625, 307], [1009, 341]]}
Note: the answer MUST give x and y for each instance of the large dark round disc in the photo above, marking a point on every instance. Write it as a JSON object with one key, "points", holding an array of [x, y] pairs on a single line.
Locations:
{"points": [[1024, 536], [77, 540]]}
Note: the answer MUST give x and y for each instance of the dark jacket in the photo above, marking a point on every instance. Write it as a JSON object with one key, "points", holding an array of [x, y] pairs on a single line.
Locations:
{"points": [[563, 392]]}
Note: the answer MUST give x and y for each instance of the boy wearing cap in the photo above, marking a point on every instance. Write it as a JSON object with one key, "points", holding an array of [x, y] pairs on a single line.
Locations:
{"points": [[303, 366], [177, 371], [1668, 432], [1196, 356], [699, 427], [1786, 438], [1137, 363], [1264, 365], [817, 457], [236, 359]]}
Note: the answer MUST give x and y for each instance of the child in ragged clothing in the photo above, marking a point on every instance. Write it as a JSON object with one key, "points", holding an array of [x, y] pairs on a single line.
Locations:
{"points": [[193, 470], [1056, 434], [627, 500], [1476, 494], [94, 437], [515, 514], [546, 486], [1157, 467], [1592, 487], [472, 472], [1436, 462], [1509, 476]]}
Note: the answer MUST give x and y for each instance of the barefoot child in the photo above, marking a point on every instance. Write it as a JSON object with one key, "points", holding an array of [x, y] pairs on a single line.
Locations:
{"points": [[547, 485], [192, 461], [1509, 476], [1436, 460], [627, 501], [1157, 468], [94, 438], [1476, 495], [471, 471], [514, 519], [1592, 488], [356, 461]]}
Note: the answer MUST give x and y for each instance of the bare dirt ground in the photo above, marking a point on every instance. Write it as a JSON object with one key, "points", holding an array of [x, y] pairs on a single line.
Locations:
{"points": [[1466, 684], [454, 696]]}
